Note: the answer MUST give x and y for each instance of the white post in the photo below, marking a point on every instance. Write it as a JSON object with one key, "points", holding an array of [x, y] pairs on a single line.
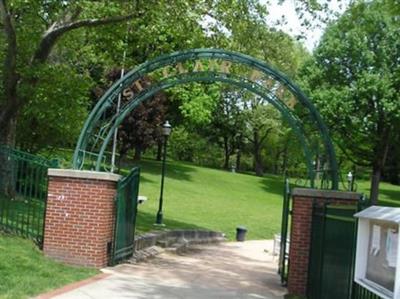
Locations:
{"points": [[118, 108]]}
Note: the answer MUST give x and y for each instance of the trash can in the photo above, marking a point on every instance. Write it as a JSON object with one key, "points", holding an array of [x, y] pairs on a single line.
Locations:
{"points": [[241, 233]]}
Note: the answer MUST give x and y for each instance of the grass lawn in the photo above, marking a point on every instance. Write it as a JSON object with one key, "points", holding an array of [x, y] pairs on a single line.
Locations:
{"points": [[194, 197], [25, 272], [389, 195], [219, 200], [23, 215], [212, 199]]}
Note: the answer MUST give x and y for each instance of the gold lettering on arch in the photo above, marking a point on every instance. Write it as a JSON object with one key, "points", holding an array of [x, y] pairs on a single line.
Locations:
{"points": [[138, 85], [213, 66], [198, 66], [165, 72], [291, 102], [255, 75], [279, 92], [180, 68], [225, 66], [269, 83], [127, 93]]}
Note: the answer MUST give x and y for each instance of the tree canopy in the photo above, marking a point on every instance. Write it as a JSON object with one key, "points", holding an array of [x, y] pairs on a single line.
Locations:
{"points": [[354, 79], [55, 55]]}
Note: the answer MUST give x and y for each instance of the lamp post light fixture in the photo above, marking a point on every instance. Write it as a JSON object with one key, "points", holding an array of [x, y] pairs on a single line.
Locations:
{"points": [[350, 181], [166, 131]]}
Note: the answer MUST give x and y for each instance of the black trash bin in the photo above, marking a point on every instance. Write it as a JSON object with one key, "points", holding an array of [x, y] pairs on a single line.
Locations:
{"points": [[241, 233]]}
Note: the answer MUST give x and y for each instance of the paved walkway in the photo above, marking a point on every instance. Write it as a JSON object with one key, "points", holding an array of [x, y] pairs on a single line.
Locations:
{"points": [[229, 270]]}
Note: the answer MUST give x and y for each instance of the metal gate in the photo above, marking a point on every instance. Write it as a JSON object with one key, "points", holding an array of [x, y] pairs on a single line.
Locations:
{"points": [[23, 192], [333, 239], [125, 216], [284, 246]]}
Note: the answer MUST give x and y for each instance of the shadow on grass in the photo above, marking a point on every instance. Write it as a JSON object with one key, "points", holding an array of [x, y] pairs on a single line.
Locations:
{"points": [[390, 193], [145, 223], [394, 197], [173, 170], [273, 185]]}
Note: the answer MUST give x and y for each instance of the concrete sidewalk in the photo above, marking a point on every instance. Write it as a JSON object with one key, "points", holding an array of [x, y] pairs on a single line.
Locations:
{"points": [[228, 270]]}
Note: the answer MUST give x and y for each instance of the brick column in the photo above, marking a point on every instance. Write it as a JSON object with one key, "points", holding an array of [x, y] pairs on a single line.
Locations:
{"points": [[300, 235], [80, 217]]}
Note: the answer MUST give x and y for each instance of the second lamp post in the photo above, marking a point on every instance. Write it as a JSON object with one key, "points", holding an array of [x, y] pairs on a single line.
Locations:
{"points": [[166, 131]]}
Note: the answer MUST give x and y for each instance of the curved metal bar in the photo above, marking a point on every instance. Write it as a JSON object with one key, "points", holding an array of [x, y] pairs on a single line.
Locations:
{"points": [[293, 121], [176, 57]]}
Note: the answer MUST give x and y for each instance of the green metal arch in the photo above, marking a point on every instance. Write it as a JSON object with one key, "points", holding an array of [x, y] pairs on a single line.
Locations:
{"points": [[287, 114], [166, 60]]}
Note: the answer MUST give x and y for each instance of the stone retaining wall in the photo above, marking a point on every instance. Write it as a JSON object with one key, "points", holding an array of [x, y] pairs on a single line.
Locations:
{"points": [[168, 238]]}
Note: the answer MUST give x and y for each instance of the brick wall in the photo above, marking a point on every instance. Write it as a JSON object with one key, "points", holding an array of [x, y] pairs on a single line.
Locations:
{"points": [[79, 217], [300, 235]]}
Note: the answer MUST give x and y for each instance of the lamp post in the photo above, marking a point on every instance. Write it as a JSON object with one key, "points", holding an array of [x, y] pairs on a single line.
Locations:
{"points": [[350, 181], [166, 131]]}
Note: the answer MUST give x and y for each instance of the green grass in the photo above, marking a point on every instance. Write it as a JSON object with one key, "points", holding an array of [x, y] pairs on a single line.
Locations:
{"points": [[23, 215], [25, 272], [197, 197], [211, 199], [389, 195]]}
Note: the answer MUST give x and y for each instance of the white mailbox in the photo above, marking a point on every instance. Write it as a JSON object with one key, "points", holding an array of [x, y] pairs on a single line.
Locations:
{"points": [[377, 264]]}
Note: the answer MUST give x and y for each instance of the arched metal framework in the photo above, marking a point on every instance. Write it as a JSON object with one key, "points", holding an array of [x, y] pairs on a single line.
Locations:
{"points": [[208, 66]]}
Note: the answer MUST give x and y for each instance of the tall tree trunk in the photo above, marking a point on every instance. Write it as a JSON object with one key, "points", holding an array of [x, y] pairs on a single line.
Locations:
{"points": [[276, 162], [393, 174], [377, 166], [285, 159], [159, 150], [138, 153], [392, 171], [375, 180], [238, 159], [8, 133], [258, 167], [7, 170], [226, 153]]}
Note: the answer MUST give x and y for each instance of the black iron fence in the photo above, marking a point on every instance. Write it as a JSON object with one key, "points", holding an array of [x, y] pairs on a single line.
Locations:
{"points": [[23, 192]]}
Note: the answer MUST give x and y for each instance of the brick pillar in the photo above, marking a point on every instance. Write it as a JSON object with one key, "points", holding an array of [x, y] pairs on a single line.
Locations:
{"points": [[79, 217], [300, 235]]}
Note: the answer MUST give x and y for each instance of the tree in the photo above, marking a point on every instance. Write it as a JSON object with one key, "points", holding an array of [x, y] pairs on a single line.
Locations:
{"points": [[59, 32], [227, 125], [54, 123], [391, 172], [354, 80], [261, 120], [22, 66], [141, 128]]}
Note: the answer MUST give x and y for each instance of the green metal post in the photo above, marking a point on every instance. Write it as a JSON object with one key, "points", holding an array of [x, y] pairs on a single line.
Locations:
{"points": [[159, 218], [284, 230]]}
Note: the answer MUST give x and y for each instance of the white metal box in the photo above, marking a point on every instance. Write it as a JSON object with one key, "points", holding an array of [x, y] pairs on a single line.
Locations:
{"points": [[377, 264]]}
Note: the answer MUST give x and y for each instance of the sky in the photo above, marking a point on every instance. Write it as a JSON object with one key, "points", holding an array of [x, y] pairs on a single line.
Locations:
{"points": [[293, 24]]}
